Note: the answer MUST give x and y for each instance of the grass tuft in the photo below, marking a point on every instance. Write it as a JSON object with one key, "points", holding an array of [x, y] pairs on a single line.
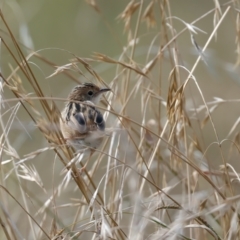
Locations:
{"points": [[168, 167]]}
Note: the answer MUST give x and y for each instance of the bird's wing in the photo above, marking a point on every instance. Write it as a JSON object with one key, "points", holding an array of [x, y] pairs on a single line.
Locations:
{"points": [[78, 122]]}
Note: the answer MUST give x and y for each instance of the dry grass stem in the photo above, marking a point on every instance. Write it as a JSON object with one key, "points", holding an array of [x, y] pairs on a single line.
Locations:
{"points": [[168, 166]]}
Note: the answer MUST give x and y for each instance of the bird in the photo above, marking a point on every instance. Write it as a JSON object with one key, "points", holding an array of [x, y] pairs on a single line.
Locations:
{"points": [[81, 123]]}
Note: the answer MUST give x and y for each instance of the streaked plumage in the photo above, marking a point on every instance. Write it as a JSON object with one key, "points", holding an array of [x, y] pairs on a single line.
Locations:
{"points": [[82, 124]]}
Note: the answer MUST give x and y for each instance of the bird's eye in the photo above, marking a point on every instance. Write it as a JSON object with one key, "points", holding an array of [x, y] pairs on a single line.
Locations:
{"points": [[90, 93]]}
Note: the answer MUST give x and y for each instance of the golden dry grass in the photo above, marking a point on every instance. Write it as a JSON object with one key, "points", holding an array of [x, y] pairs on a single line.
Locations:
{"points": [[153, 178]]}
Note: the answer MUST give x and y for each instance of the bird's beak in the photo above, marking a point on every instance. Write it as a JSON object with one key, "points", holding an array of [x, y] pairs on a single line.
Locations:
{"points": [[102, 90], [98, 94]]}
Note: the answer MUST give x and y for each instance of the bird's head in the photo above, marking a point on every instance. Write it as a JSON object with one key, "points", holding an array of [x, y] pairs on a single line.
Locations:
{"points": [[87, 92]]}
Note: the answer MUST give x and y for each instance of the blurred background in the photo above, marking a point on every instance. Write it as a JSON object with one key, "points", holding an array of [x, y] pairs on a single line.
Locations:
{"points": [[59, 30]]}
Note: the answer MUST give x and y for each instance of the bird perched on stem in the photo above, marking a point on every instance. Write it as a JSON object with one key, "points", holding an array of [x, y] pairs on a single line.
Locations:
{"points": [[81, 123]]}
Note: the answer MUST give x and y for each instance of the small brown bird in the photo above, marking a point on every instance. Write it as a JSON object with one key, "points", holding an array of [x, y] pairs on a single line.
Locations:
{"points": [[81, 123]]}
